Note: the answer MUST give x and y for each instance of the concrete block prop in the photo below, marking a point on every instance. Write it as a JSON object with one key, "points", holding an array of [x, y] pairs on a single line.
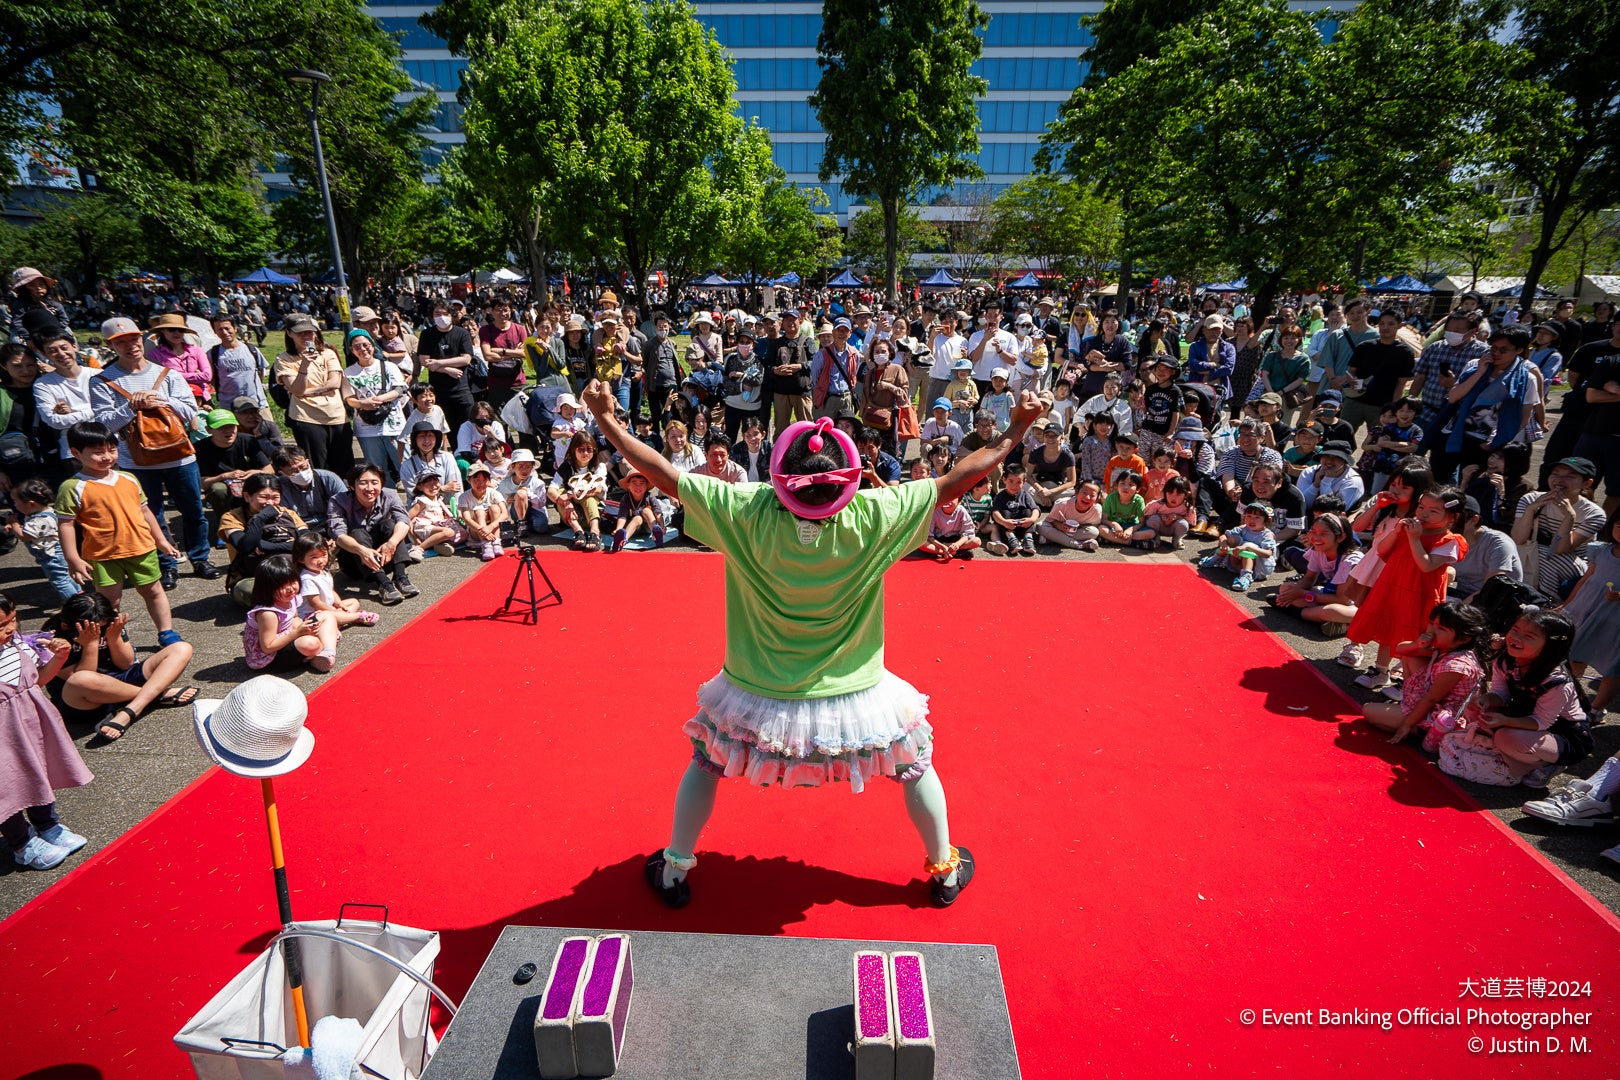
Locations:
{"points": [[553, 1022], [602, 1007], [874, 1018], [914, 1047]]}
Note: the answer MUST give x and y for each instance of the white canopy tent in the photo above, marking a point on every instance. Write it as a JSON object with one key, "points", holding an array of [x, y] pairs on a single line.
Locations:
{"points": [[1595, 287]]}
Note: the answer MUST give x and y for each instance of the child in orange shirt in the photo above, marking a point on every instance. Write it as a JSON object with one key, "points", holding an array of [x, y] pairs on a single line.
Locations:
{"points": [[1125, 458], [1164, 467]]}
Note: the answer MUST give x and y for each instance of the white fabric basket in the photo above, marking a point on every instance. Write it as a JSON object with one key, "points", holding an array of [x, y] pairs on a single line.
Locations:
{"points": [[241, 1033]]}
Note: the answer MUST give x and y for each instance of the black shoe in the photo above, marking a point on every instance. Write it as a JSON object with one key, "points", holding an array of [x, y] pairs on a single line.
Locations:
{"points": [[677, 895], [945, 895], [406, 589], [207, 571], [170, 578], [387, 594]]}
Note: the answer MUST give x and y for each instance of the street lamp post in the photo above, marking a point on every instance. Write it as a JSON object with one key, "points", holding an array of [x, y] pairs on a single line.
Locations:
{"points": [[314, 80]]}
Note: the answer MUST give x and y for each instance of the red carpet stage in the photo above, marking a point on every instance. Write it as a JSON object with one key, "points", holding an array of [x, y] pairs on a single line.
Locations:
{"points": [[1177, 830]]}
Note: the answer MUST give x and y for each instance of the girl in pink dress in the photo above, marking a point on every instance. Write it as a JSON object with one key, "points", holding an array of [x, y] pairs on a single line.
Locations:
{"points": [[1443, 670]]}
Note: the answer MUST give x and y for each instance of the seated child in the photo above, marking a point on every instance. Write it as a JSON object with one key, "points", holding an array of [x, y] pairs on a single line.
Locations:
{"points": [[636, 509], [311, 554], [433, 526], [1123, 509], [1074, 522], [1331, 554], [525, 494], [1168, 518], [951, 532], [1012, 515], [1125, 457], [1164, 467], [483, 511], [1250, 550], [493, 453], [1302, 454], [275, 638], [977, 502], [33, 499], [1442, 672]]}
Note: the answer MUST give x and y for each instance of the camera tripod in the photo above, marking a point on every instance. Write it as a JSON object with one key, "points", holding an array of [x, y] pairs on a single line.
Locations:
{"points": [[528, 564]]}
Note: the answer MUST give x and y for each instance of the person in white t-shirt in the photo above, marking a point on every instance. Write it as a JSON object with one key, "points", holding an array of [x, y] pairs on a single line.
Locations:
{"points": [[62, 395], [991, 348], [947, 346]]}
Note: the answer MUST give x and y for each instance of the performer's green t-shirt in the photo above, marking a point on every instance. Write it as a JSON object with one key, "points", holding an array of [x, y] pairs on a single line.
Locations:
{"points": [[805, 620]]}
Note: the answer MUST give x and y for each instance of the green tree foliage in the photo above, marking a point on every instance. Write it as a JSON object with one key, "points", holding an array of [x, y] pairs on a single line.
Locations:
{"points": [[774, 226], [1558, 119], [897, 100], [1285, 157], [873, 246], [600, 125], [79, 239], [1059, 222]]}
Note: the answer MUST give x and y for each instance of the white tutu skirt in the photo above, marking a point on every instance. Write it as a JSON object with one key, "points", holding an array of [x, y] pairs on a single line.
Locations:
{"points": [[806, 742]]}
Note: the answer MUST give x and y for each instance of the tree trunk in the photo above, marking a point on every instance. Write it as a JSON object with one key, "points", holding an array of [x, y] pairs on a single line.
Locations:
{"points": [[1551, 213], [534, 249], [1127, 265], [1358, 255], [891, 246], [1263, 296]]}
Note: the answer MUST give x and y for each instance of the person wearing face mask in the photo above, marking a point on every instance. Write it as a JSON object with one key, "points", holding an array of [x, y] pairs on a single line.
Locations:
{"points": [[445, 352], [744, 383], [1436, 370], [306, 490]]}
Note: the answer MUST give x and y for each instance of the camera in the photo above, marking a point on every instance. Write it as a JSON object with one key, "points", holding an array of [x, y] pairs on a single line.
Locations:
{"points": [[525, 551]]}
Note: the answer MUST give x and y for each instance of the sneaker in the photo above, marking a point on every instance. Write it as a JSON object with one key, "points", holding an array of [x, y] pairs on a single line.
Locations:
{"points": [[1374, 678], [39, 854], [446, 549], [1393, 691], [1574, 805], [658, 533], [1028, 546], [617, 543], [996, 547], [1540, 776], [1243, 582], [387, 594], [59, 836], [945, 895], [489, 550], [169, 637], [1211, 562], [415, 555], [1350, 655], [1334, 629], [1088, 545], [403, 584], [677, 895]]}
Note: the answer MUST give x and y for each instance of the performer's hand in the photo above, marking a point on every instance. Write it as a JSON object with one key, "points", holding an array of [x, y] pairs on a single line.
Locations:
{"points": [[599, 399], [1029, 408]]}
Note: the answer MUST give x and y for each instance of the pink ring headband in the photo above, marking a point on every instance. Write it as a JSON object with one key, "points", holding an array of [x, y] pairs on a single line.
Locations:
{"points": [[788, 483]]}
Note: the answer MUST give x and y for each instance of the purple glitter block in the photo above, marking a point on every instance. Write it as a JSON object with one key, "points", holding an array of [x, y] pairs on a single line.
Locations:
{"points": [[553, 1028], [874, 1030], [603, 1007], [914, 1049]]}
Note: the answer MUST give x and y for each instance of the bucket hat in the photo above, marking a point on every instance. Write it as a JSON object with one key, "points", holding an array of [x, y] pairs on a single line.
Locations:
{"points": [[257, 729]]}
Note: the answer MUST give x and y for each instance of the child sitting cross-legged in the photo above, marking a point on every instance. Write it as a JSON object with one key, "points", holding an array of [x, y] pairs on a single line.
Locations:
{"points": [[1168, 518], [275, 637], [1443, 670], [483, 511], [1012, 515], [1123, 509], [951, 532], [312, 553], [1250, 550], [1074, 522], [525, 494], [433, 526]]}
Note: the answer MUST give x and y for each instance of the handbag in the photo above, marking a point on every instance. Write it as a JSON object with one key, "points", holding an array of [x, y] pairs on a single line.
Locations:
{"points": [[906, 422], [155, 436], [377, 416]]}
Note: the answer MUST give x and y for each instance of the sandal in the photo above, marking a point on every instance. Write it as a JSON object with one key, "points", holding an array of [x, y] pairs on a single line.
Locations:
{"points": [[367, 618], [173, 698], [117, 729]]}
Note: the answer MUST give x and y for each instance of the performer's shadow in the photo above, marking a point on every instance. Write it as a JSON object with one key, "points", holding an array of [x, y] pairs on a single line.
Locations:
{"points": [[730, 895]]}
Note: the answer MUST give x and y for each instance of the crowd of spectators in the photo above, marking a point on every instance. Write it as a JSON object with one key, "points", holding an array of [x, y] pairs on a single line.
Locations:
{"points": [[1380, 465]]}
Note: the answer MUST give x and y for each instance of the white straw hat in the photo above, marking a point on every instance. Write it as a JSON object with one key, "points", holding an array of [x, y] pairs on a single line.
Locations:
{"points": [[257, 729]]}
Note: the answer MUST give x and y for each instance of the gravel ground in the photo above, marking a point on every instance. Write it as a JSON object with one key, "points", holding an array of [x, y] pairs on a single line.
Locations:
{"points": [[159, 755]]}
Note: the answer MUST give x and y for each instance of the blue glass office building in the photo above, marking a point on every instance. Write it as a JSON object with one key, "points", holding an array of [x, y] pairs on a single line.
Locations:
{"points": [[1032, 60]]}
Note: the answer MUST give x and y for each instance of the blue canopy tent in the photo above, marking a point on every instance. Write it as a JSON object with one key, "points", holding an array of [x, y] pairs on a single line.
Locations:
{"points": [[1028, 281], [846, 280], [940, 279], [712, 280], [1512, 293], [789, 280], [266, 276], [1235, 285], [1403, 283]]}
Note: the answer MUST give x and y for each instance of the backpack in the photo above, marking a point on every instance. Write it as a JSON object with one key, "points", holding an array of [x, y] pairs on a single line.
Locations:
{"points": [[1503, 599], [154, 436]]}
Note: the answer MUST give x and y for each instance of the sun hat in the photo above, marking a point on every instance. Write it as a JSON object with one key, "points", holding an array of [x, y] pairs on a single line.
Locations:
{"points": [[424, 476], [1190, 429], [257, 729], [171, 321], [703, 317], [576, 321], [1215, 319], [941, 403], [522, 455], [423, 425], [824, 328], [119, 327], [608, 316], [218, 418], [479, 467], [1260, 508], [961, 363], [24, 274], [567, 399], [365, 314], [788, 483], [302, 324], [634, 474], [609, 297]]}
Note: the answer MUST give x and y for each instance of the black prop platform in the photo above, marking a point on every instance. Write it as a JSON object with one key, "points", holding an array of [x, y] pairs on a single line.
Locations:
{"points": [[712, 1006]]}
